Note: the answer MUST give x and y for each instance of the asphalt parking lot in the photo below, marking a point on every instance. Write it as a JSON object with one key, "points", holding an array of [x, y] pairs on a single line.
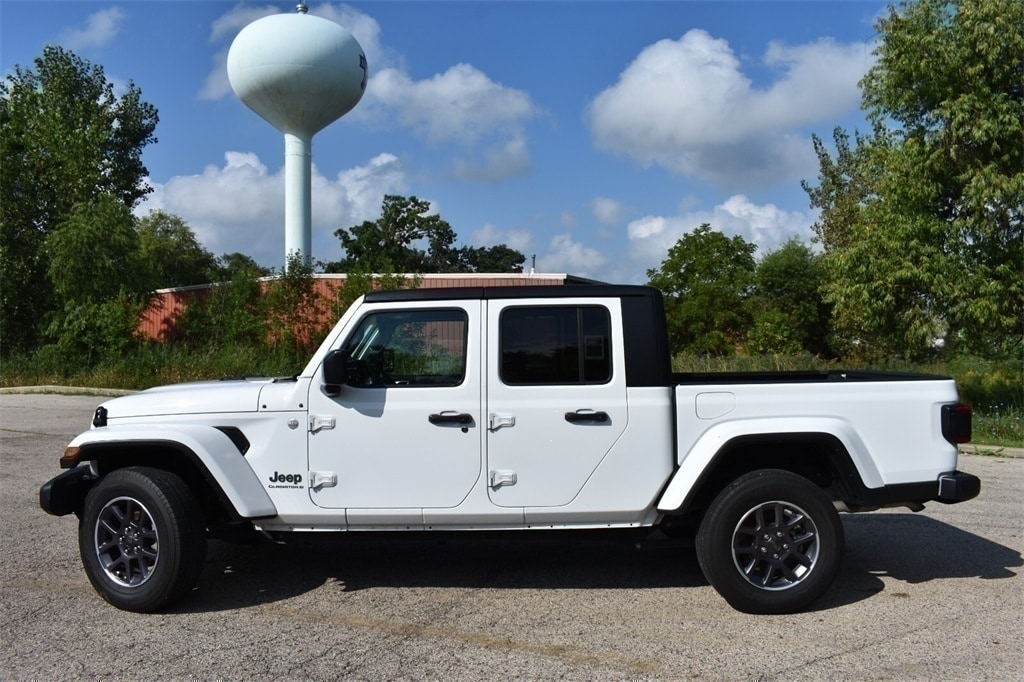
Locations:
{"points": [[926, 596]]}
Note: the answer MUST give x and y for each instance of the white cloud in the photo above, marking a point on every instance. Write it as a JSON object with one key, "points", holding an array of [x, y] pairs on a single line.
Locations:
{"points": [[227, 25], [492, 235], [462, 104], [100, 29], [607, 211], [498, 162], [687, 106], [766, 225], [240, 205], [572, 257]]}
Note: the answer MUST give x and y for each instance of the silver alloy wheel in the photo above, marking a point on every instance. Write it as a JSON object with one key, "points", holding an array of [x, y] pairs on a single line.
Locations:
{"points": [[775, 545], [127, 542]]}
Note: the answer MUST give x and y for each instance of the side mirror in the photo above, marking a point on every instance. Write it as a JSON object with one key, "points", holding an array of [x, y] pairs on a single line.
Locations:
{"points": [[335, 371]]}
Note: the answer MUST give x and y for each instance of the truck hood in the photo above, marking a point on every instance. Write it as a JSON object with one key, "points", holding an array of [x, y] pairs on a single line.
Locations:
{"points": [[203, 397]]}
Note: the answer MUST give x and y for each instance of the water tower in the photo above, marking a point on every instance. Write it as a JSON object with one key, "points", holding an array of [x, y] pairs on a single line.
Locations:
{"points": [[300, 73]]}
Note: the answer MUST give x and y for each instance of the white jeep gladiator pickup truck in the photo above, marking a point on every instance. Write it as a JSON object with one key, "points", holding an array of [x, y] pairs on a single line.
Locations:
{"points": [[510, 408]]}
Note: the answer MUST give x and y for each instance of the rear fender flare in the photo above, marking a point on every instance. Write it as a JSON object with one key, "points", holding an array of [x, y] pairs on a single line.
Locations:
{"points": [[702, 455]]}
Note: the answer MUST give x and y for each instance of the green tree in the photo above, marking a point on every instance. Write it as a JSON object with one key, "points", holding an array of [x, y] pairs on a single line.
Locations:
{"points": [[707, 280], [790, 314], [231, 314], [923, 222], [500, 258], [171, 252], [295, 309], [97, 272], [394, 243], [230, 265], [65, 139]]}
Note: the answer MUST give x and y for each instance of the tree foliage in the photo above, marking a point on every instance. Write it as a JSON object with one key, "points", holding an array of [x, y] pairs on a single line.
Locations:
{"points": [[99, 277], [66, 138], [172, 254], [409, 238], [706, 279], [789, 314], [922, 221]]}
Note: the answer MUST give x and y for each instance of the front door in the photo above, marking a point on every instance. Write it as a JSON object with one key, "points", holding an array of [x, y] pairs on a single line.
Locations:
{"points": [[404, 433], [556, 397]]}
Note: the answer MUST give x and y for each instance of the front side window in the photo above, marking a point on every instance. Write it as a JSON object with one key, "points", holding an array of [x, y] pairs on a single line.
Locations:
{"points": [[556, 345], [408, 348]]}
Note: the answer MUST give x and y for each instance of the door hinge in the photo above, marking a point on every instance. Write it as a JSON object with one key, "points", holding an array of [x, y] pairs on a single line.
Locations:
{"points": [[318, 422], [322, 479], [499, 420], [502, 477]]}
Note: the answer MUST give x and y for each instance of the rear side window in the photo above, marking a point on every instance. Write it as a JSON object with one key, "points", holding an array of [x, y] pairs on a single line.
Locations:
{"points": [[555, 345]]}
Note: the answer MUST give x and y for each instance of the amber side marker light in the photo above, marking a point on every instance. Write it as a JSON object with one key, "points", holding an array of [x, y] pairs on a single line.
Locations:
{"points": [[70, 458]]}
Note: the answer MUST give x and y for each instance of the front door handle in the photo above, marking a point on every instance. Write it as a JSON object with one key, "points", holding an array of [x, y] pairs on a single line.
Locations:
{"points": [[578, 417], [451, 418]]}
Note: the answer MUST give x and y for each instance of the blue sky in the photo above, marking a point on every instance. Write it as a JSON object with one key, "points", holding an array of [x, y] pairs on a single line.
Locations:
{"points": [[591, 134]]}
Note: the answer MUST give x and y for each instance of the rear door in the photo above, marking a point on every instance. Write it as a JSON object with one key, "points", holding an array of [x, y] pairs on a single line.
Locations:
{"points": [[556, 396]]}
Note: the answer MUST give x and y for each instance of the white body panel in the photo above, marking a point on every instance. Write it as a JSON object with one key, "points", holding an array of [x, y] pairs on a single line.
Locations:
{"points": [[369, 456], [386, 453]]}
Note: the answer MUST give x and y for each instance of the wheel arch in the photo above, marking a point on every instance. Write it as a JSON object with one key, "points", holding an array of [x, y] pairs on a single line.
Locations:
{"points": [[206, 458], [169, 456], [824, 457]]}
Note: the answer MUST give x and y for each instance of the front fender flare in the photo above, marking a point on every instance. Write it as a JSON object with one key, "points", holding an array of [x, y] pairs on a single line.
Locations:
{"points": [[207, 447]]}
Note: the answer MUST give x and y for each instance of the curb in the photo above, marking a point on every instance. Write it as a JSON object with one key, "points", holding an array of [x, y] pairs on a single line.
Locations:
{"points": [[67, 390], [991, 451]]}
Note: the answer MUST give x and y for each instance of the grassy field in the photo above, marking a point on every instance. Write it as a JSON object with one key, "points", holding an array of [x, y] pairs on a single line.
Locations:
{"points": [[994, 389]]}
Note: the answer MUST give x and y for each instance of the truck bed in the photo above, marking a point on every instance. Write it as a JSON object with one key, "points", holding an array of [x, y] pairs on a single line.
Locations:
{"points": [[797, 377]]}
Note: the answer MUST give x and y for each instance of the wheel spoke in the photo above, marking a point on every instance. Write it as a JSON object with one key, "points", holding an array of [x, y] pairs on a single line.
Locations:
{"points": [[105, 546], [774, 545], [806, 536], [802, 558], [126, 541]]}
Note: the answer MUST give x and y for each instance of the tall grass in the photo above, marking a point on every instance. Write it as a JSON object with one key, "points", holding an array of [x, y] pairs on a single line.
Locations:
{"points": [[155, 365]]}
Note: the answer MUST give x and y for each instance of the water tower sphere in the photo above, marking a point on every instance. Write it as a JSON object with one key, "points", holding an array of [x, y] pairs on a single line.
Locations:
{"points": [[297, 71]]}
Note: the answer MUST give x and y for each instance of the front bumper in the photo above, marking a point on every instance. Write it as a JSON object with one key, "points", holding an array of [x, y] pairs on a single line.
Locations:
{"points": [[66, 493]]}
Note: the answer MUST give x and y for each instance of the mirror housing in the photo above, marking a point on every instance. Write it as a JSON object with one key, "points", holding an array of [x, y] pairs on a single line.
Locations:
{"points": [[335, 371]]}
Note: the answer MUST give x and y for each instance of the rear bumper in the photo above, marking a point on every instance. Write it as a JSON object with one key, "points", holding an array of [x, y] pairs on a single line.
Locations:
{"points": [[958, 487], [948, 488]]}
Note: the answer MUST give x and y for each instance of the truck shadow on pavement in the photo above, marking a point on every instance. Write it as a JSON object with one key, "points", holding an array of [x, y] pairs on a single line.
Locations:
{"points": [[246, 575], [911, 548], [901, 546]]}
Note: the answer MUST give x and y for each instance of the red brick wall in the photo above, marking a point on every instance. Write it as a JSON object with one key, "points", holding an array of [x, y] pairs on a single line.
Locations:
{"points": [[159, 321]]}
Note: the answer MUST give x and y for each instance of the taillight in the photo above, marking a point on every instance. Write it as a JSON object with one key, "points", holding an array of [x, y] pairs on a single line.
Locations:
{"points": [[956, 423]]}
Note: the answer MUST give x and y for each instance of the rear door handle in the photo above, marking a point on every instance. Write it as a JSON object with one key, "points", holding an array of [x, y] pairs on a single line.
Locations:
{"points": [[451, 418], [578, 417]]}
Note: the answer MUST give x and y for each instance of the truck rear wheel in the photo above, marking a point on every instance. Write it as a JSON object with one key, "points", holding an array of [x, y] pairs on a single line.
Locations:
{"points": [[142, 538], [771, 542]]}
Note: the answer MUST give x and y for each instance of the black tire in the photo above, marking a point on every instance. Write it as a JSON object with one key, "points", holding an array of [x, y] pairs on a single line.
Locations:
{"points": [[771, 542], [142, 539]]}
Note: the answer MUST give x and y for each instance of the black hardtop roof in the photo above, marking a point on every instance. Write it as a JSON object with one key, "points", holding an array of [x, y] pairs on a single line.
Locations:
{"points": [[545, 291]]}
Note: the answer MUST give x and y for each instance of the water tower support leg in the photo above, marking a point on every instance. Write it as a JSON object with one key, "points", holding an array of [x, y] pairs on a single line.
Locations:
{"points": [[298, 212]]}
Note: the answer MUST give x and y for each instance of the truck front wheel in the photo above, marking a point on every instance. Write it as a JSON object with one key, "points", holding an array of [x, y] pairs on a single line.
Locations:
{"points": [[142, 538], [771, 542]]}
